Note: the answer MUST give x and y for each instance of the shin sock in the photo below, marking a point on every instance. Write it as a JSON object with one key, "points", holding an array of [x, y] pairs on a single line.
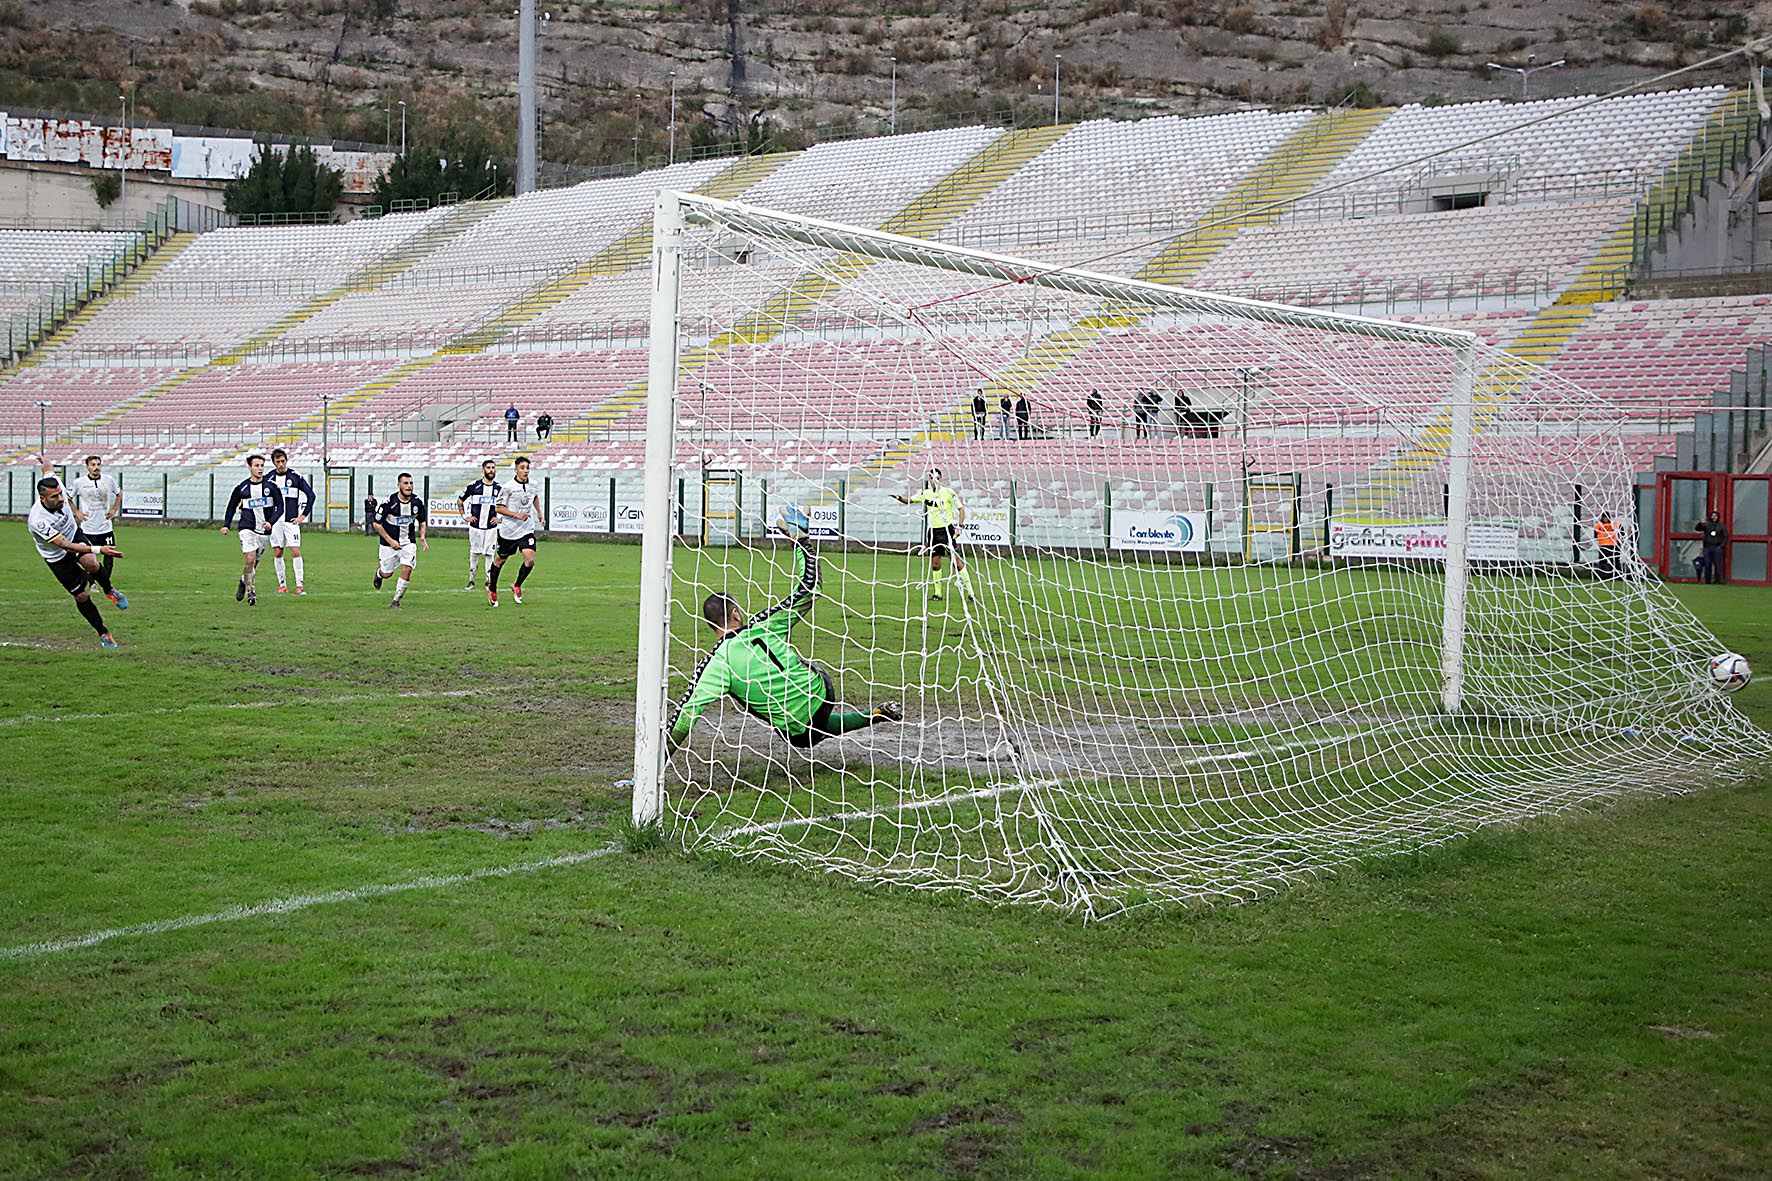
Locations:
{"points": [[89, 609], [400, 589], [492, 576], [523, 573], [280, 579], [298, 578]]}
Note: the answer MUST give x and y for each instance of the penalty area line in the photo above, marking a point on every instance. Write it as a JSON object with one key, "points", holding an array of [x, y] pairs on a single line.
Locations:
{"points": [[293, 904]]}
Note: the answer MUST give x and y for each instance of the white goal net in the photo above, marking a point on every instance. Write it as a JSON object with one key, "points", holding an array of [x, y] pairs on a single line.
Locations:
{"points": [[1240, 592]]}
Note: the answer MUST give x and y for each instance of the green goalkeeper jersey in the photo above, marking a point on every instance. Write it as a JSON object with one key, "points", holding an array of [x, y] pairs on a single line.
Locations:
{"points": [[758, 666], [943, 505]]}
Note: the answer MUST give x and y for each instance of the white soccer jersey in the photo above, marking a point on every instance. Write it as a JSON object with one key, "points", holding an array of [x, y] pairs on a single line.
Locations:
{"points": [[519, 498], [44, 525], [94, 498]]}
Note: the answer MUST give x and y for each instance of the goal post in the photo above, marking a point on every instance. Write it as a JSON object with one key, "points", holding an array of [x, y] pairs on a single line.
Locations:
{"points": [[1014, 638]]}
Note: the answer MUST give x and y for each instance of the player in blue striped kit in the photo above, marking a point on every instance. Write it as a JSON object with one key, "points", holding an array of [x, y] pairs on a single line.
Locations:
{"points": [[260, 505], [402, 526], [478, 505], [298, 505]]}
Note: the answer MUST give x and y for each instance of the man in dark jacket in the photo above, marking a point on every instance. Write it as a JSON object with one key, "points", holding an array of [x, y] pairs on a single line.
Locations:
{"points": [[1713, 537]]}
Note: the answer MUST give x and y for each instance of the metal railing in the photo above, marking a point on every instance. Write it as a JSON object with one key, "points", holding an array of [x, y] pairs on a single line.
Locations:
{"points": [[22, 332]]}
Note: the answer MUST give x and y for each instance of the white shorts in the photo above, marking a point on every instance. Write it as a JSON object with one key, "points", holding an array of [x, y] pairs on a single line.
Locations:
{"points": [[284, 534], [482, 541], [391, 558], [254, 542]]}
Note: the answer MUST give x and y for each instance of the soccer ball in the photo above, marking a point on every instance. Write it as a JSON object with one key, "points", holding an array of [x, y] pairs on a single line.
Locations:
{"points": [[1729, 672]]}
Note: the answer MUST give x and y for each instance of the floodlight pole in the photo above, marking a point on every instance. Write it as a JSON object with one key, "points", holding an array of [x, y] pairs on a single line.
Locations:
{"points": [[1057, 60], [673, 155], [655, 547], [1525, 72], [892, 116], [403, 129], [325, 431], [42, 436], [526, 102], [1458, 480], [123, 162]]}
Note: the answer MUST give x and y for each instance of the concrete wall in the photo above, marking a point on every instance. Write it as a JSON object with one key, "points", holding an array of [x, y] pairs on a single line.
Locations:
{"points": [[60, 196]]}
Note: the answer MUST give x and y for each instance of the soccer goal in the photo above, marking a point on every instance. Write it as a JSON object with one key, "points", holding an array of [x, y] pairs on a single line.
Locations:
{"points": [[1241, 592]]}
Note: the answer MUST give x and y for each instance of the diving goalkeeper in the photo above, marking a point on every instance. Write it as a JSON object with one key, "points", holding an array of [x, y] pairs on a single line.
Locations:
{"points": [[755, 663]]}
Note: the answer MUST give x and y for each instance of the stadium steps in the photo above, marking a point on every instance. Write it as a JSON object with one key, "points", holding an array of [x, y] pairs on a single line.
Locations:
{"points": [[925, 215], [1290, 171], [1543, 340], [632, 249], [1701, 161], [941, 204], [378, 272], [131, 283]]}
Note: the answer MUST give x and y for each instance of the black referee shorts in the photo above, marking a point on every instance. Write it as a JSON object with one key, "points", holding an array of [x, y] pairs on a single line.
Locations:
{"points": [[941, 541], [70, 573]]}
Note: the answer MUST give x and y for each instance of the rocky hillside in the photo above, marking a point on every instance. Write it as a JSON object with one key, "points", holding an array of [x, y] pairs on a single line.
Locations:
{"points": [[813, 68]]}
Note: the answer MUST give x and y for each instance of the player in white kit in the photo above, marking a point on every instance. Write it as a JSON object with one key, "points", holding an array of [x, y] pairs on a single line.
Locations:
{"points": [[74, 563], [519, 516], [96, 501], [478, 506]]}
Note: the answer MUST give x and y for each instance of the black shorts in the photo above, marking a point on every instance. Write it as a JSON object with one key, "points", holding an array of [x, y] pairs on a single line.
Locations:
{"points": [[506, 547], [71, 574], [941, 541], [821, 717], [83, 536]]}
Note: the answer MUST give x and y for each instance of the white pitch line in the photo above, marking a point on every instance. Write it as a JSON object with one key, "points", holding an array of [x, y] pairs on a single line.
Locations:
{"points": [[341, 699], [333, 590], [435, 882], [290, 905]]}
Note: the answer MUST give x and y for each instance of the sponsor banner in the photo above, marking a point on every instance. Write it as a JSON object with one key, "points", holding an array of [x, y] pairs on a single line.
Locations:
{"points": [[149, 506], [579, 516], [826, 521], [630, 516], [441, 513], [986, 526], [1148, 530], [1487, 541]]}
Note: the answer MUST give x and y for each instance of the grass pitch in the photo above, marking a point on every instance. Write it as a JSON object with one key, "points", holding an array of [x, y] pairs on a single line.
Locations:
{"points": [[1582, 996]]}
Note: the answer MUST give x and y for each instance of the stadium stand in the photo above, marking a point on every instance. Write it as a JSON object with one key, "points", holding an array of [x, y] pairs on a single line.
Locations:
{"points": [[422, 327]]}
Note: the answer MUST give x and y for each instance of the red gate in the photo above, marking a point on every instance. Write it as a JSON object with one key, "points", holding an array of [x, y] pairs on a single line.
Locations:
{"points": [[1683, 499]]}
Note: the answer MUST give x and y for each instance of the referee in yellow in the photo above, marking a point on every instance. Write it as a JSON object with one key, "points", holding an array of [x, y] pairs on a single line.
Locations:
{"points": [[946, 515]]}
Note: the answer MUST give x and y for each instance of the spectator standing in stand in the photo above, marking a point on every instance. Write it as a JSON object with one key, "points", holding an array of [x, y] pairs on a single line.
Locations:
{"points": [[1024, 417], [1006, 416], [1093, 408], [980, 408], [1713, 537], [511, 420]]}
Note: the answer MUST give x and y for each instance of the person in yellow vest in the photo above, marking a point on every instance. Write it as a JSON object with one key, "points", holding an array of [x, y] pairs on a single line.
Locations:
{"points": [[1606, 537], [946, 516]]}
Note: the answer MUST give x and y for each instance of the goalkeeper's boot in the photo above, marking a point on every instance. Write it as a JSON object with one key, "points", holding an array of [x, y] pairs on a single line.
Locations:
{"points": [[890, 711]]}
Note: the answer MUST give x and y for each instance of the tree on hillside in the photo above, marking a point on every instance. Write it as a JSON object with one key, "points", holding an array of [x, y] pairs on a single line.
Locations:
{"points": [[463, 166], [293, 182]]}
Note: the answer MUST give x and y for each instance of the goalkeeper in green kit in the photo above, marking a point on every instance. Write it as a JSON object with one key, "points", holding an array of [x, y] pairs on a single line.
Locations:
{"points": [[755, 663]]}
